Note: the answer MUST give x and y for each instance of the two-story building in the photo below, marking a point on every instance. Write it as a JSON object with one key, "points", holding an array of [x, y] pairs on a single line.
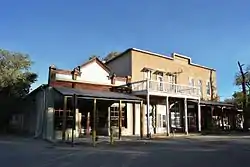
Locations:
{"points": [[167, 84], [136, 93]]}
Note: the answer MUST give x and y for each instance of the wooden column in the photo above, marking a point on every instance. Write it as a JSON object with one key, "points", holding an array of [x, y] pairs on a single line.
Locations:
{"points": [[141, 119], [222, 118], [134, 118], [120, 119], [167, 116], [94, 124], [109, 124], [87, 123], [148, 110], [64, 123], [186, 115], [199, 116]]}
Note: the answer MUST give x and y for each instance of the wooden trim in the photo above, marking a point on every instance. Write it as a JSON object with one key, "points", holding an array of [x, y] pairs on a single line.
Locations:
{"points": [[81, 85]]}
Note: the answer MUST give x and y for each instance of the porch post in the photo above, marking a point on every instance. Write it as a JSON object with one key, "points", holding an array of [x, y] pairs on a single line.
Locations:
{"points": [[120, 119], [222, 118], [199, 116], [141, 119], [88, 123], [94, 124], [109, 127], [64, 118], [133, 108], [186, 118], [148, 105], [167, 116]]}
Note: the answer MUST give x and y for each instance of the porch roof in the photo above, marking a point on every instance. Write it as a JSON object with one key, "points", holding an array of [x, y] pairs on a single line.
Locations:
{"points": [[97, 94], [213, 103]]}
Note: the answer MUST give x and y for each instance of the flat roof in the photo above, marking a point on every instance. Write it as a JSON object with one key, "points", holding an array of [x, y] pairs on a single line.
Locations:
{"points": [[97, 94], [160, 55]]}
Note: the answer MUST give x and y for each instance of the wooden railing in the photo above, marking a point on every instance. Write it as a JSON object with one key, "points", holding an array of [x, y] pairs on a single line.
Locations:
{"points": [[165, 87]]}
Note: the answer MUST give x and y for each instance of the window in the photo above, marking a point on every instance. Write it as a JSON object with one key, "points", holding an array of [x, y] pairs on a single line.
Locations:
{"points": [[208, 88], [200, 87], [159, 120], [164, 121], [172, 81], [191, 82], [147, 75], [114, 115], [160, 81]]}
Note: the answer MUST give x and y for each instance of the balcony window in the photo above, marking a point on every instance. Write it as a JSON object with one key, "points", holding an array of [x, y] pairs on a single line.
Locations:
{"points": [[147, 75], [171, 81], [160, 81], [208, 88], [200, 87], [191, 82]]}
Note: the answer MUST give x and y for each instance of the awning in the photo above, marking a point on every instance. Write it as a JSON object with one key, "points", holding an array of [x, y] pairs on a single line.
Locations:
{"points": [[213, 103], [145, 69], [97, 94], [159, 71]]}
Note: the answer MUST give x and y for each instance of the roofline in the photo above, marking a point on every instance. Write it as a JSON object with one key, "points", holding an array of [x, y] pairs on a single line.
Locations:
{"points": [[42, 86], [105, 67], [163, 56]]}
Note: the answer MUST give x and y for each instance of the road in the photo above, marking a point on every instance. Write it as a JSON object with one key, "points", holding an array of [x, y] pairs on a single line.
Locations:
{"points": [[193, 152]]}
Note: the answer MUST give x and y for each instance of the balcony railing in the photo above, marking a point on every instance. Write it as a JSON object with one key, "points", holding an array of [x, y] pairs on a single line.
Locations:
{"points": [[165, 87]]}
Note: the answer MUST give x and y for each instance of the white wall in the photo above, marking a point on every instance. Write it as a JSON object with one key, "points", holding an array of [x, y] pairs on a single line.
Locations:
{"points": [[92, 73], [117, 83], [137, 119]]}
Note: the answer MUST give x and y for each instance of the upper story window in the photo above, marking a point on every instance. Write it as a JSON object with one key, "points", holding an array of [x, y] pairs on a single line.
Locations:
{"points": [[200, 87], [147, 75], [191, 82], [172, 79], [208, 88]]}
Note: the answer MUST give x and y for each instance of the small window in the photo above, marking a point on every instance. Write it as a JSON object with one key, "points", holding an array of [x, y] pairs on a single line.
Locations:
{"points": [[208, 87], [200, 87], [191, 82], [159, 120], [164, 121], [147, 75]]}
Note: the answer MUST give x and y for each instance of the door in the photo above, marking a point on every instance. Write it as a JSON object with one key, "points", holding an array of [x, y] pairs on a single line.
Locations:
{"points": [[161, 119], [160, 82]]}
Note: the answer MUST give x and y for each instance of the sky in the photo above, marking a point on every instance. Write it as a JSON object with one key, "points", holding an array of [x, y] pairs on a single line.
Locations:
{"points": [[214, 33]]}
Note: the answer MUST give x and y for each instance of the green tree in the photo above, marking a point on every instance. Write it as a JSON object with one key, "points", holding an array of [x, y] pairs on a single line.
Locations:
{"points": [[15, 81], [111, 55], [238, 96], [238, 78], [94, 56]]}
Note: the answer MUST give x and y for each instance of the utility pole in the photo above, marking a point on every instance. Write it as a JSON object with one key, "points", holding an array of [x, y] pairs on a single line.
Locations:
{"points": [[243, 83]]}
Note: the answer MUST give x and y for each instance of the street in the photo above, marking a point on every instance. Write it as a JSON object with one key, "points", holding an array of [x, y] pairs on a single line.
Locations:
{"points": [[179, 152]]}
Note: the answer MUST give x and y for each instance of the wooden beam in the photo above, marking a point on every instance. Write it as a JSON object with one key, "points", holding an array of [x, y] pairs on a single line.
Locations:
{"points": [[94, 124], [64, 125], [141, 119], [120, 119]]}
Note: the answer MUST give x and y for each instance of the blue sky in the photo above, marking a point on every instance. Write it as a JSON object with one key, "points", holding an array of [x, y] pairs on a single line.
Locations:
{"points": [[65, 33]]}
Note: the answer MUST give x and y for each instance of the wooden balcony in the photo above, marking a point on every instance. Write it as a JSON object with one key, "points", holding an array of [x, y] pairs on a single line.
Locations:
{"points": [[164, 89]]}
